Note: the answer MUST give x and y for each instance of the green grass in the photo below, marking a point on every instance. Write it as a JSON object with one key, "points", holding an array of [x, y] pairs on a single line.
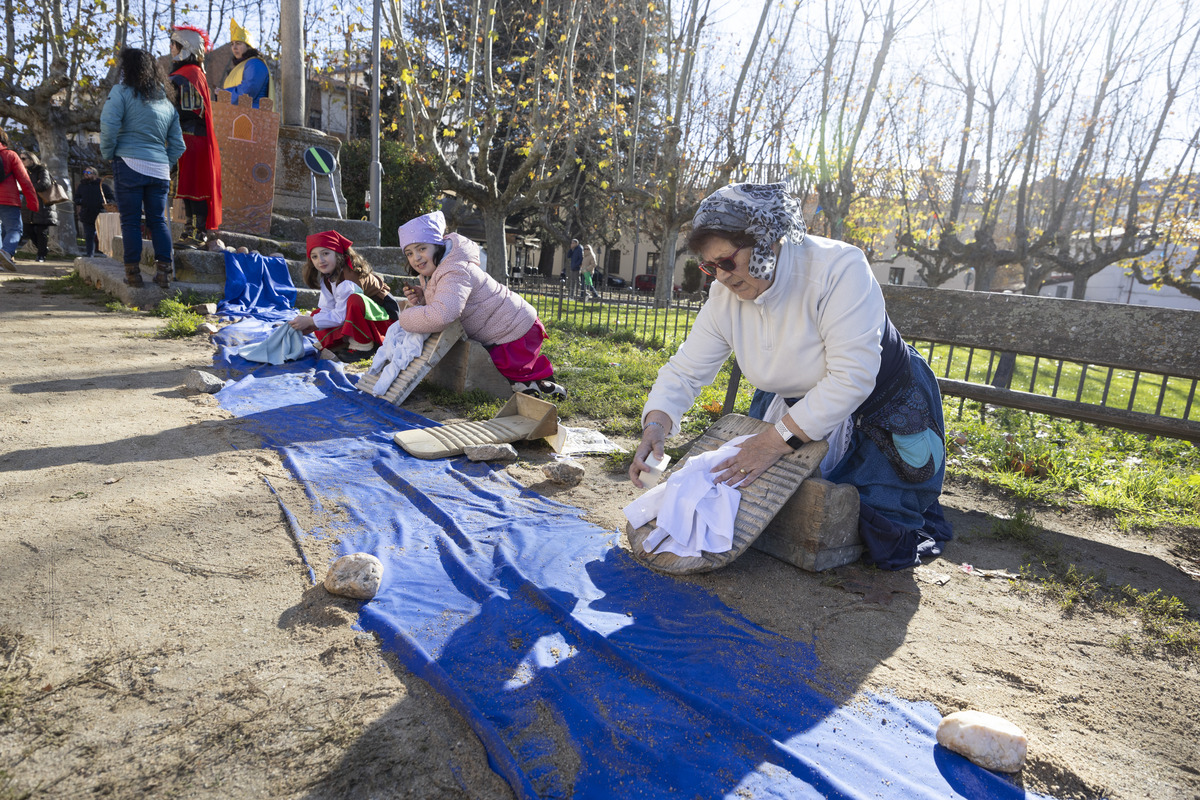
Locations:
{"points": [[74, 285], [1167, 626], [609, 374], [181, 321], [1074, 381], [1144, 481]]}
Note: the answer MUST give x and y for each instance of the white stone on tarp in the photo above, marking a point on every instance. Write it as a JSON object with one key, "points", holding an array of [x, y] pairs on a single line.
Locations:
{"points": [[490, 452], [200, 381], [356, 575], [207, 328], [991, 742], [565, 473]]}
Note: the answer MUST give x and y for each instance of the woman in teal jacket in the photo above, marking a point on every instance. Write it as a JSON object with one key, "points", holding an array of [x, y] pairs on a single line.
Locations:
{"points": [[140, 134]]}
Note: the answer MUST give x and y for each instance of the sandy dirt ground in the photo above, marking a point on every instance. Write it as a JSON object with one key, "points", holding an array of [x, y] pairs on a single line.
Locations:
{"points": [[161, 637]]}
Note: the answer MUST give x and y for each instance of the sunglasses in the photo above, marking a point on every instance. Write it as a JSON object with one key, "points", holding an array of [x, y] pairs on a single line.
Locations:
{"points": [[727, 263]]}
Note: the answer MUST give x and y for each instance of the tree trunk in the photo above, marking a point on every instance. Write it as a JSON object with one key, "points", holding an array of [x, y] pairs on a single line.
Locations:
{"points": [[664, 288], [54, 150], [497, 250]]}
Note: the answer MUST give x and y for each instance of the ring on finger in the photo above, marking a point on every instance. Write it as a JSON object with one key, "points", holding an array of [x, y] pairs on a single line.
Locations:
{"points": [[742, 471]]}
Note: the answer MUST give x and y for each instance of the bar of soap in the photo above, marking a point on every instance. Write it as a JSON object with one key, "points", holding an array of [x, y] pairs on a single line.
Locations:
{"points": [[987, 740], [657, 466]]}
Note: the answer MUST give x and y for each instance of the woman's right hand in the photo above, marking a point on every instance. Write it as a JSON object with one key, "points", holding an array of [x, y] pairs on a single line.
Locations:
{"points": [[302, 323], [654, 438]]}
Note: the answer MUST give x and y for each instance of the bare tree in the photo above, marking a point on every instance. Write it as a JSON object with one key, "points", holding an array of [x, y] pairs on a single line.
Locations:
{"points": [[491, 92], [950, 220], [1061, 190], [705, 128], [852, 51]]}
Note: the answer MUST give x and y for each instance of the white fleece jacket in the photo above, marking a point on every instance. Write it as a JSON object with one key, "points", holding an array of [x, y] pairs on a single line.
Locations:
{"points": [[815, 333]]}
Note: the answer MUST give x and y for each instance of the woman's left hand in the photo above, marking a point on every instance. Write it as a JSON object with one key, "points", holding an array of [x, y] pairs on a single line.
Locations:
{"points": [[756, 455]]}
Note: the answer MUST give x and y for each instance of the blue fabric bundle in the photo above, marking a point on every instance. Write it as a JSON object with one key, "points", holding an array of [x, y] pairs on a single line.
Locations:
{"points": [[283, 344], [256, 285]]}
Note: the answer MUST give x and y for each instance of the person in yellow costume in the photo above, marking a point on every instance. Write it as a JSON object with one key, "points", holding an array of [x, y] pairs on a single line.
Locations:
{"points": [[249, 74]]}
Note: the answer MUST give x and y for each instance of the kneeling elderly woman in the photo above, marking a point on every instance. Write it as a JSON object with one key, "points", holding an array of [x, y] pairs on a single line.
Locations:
{"points": [[806, 319]]}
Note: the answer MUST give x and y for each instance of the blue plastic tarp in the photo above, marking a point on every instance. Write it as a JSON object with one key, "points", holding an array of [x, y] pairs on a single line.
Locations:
{"points": [[258, 285], [584, 674]]}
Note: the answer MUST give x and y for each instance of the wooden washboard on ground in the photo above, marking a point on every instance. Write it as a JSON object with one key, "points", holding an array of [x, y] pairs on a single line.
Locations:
{"points": [[761, 500]]}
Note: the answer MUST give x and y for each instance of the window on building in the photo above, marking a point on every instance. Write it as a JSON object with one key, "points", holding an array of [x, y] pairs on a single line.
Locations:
{"points": [[651, 263], [612, 262], [314, 119], [896, 276], [1060, 290], [243, 129]]}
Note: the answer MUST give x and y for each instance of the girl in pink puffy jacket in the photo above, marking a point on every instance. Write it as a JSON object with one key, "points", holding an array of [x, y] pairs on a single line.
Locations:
{"points": [[454, 287]]}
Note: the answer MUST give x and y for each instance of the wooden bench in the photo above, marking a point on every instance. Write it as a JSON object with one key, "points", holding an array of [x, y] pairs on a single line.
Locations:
{"points": [[1048, 336], [1051, 344]]}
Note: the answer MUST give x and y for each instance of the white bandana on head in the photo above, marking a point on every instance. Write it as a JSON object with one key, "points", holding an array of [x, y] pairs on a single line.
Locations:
{"points": [[764, 210]]}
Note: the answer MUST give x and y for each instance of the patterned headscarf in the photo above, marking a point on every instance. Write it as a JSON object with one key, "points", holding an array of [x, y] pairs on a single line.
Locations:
{"points": [[764, 210]]}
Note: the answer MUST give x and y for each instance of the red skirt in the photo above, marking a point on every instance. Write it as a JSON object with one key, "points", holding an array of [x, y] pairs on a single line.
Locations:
{"points": [[357, 326]]}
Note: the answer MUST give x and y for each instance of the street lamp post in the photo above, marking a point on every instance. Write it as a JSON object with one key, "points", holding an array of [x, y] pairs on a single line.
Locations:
{"points": [[376, 176]]}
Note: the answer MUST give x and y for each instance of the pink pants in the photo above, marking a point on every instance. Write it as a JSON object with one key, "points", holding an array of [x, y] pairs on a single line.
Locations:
{"points": [[522, 360]]}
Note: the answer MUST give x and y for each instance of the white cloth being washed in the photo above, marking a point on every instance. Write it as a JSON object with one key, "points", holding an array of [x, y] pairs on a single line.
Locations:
{"points": [[693, 513], [398, 350]]}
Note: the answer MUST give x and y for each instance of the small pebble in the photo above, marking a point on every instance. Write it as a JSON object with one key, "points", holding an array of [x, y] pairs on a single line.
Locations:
{"points": [[200, 381], [564, 473]]}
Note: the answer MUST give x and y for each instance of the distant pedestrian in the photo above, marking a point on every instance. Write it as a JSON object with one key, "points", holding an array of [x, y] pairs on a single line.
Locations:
{"points": [[139, 132], [575, 256], [91, 196], [587, 268], [46, 216], [14, 181]]}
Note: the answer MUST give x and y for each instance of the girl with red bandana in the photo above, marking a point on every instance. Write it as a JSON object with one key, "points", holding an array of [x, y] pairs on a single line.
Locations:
{"points": [[356, 307]]}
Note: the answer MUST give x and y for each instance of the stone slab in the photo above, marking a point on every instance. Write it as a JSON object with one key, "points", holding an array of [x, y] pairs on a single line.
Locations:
{"points": [[468, 366], [817, 528], [363, 233]]}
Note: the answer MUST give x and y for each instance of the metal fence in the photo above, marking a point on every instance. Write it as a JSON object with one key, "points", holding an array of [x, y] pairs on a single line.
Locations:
{"points": [[616, 310]]}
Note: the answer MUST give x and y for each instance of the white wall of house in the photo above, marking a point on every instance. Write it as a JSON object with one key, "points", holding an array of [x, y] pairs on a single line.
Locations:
{"points": [[1113, 285], [631, 261]]}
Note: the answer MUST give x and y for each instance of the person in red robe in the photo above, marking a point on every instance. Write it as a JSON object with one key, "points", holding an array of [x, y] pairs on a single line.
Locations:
{"points": [[199, 182]]}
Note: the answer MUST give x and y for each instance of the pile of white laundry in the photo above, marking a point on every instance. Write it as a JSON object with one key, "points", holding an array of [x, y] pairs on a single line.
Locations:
{"points": [[693, 513], [398, 350]]}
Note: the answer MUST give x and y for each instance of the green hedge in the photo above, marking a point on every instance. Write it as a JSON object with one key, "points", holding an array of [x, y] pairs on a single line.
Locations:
{"points": [[410, 183]]}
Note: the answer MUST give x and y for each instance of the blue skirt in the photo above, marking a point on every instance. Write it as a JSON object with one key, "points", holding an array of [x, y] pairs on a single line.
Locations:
{"points": [[899, 520]]}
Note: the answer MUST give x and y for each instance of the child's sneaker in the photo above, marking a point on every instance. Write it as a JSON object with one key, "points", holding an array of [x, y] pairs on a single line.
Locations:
{"points": [[543, 390], [348, 355]]}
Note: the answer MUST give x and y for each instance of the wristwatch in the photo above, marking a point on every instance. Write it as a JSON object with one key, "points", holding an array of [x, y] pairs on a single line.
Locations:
{"points": [[790, 439]]}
